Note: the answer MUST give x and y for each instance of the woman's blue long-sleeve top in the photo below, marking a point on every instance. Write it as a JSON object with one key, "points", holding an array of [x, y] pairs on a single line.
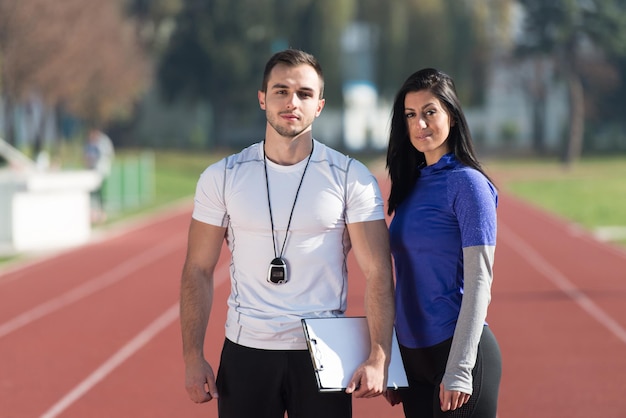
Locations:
{"points": [[443, 238]]}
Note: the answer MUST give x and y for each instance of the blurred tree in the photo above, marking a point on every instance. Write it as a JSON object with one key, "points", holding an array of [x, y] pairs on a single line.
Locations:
{"points": [[154, 22], [212, 56], [455, 36], [333, 17], [83, 59], [219, 47], [576, 35], [480, 42], [612, 105]]}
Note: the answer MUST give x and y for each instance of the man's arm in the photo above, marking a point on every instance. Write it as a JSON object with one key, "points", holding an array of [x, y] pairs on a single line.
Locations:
{"points": [[370, 243], [196, 298]]}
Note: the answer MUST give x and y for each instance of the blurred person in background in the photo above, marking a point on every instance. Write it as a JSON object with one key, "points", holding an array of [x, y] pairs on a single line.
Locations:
{"points": [[443, 238], [290, 209], [98, 155]]}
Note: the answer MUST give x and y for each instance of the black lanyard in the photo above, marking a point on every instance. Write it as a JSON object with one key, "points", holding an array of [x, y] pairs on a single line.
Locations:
{"points": [[278, 270]]}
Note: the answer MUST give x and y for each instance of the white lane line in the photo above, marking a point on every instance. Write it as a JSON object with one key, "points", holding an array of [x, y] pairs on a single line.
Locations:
{"points": [[112, 363], [560, 281], [134, 345], [98, 283]]}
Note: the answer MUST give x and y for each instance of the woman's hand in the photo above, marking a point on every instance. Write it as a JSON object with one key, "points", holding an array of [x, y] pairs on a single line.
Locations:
{"points": [[451, 399]]}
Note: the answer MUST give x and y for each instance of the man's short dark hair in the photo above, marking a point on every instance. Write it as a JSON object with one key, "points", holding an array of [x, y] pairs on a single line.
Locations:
{"points": [[292, 58]]}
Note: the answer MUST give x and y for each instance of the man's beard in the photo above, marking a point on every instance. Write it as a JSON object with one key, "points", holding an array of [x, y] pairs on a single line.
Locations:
{"points": [[287, 132]]}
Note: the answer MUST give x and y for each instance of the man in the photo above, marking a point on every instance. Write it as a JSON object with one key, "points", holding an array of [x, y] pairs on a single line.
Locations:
{"points": [[290, 209], [99, 155]]}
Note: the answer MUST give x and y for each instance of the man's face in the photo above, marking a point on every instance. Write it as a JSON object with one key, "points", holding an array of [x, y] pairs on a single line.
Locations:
{"points": [[292, 100]]}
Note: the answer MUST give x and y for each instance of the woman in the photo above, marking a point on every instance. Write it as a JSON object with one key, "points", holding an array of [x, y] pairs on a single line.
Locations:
{"points": [[443, 237]]}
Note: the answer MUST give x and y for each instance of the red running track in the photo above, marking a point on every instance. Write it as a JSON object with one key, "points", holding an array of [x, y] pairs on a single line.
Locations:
{"points": [[93, 332]]}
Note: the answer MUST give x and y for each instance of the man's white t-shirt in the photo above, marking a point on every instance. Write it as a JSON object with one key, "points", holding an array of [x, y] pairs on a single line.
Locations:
{"points": [[336, 190]]}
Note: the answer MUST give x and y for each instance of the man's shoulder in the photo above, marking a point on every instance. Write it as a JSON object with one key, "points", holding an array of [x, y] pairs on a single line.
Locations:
{"points": [[334, 157], [249, 154], [235, 160]]}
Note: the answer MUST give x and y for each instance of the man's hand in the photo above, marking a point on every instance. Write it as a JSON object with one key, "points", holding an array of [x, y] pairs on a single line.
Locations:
{"points": [[393, 397], [200, 381], [369, 380]]}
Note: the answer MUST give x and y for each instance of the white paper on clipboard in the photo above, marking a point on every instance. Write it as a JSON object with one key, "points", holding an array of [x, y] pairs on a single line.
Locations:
{"points": [[339, 345]]}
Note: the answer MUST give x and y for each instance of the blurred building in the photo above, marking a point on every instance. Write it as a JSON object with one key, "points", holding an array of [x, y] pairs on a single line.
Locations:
{"points": [[506, 124]]}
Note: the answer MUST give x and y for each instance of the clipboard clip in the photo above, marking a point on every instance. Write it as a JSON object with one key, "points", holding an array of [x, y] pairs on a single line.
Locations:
{"points": [[317, 356]]}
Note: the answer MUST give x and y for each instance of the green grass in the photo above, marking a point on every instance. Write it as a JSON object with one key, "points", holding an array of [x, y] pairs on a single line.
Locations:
{"points": [[177, 173], [591, 193]]}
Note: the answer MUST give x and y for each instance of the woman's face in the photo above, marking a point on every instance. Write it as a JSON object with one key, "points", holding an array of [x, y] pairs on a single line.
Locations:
{"points": [[428, 124]]}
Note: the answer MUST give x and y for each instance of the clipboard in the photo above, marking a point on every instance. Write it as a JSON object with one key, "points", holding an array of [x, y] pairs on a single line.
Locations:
{"points": [[339, 345]]}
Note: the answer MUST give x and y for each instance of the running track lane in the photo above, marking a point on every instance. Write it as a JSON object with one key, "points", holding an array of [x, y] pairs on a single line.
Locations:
{"points": [[559, 312], [94, 332]]}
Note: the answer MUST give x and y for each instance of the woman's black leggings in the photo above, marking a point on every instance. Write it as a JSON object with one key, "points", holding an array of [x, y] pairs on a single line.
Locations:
{"points": [[425, 368]]}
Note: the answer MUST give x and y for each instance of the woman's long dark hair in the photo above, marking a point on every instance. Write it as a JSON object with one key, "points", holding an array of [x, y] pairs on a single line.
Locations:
{"points": [[403, 160]]}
